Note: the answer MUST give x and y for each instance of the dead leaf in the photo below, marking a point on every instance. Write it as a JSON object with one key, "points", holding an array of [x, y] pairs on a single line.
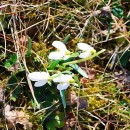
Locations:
{"points": [[105, 32], [72, 98], [70, 122], [7, 108], [82, 103], [23, 119], [13, 117], [83, 80], [87, 67], [91, 73]]}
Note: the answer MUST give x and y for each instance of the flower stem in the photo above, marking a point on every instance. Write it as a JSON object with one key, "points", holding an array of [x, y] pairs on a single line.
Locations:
{"points": [[81, 60]]}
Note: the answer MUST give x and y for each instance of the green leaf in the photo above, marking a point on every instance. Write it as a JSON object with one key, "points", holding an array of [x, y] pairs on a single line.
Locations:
{"points": [[13, 98], [77, 80], [16, 93], [11, 61], [53, 64], [29, 47], [14, 85], [109, 28], [118, 11], [79, 70], [33, 104], [66, 39], [62, 94], [56, 121], [125, 59], [7, 64], [51, 125], [59, 120]]}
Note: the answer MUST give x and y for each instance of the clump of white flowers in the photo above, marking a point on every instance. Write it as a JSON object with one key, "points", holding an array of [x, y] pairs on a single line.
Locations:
{"points": [[63, 80], [41, 78], [63, 53]]}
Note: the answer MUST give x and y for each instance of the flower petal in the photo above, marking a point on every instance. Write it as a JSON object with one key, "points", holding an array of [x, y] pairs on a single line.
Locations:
{"points": [[65, 77], [84, 46], [66, 57], [36, 76], [59, 45], [56, 55], [85, 54], [63, 86], [62, 78], [57, 79], [40, 83]]}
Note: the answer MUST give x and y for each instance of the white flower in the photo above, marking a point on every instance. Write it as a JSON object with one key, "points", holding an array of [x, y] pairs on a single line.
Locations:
{"points": [[87, 50], [64, 81], [61, 53], [41, 78]]}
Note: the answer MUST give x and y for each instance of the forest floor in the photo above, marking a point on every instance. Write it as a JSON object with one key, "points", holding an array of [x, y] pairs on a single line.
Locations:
{"points": [[97, 95]]}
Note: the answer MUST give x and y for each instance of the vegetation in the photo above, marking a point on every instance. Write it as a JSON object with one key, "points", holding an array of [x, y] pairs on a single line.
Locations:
{"points": [[98, 96]]}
